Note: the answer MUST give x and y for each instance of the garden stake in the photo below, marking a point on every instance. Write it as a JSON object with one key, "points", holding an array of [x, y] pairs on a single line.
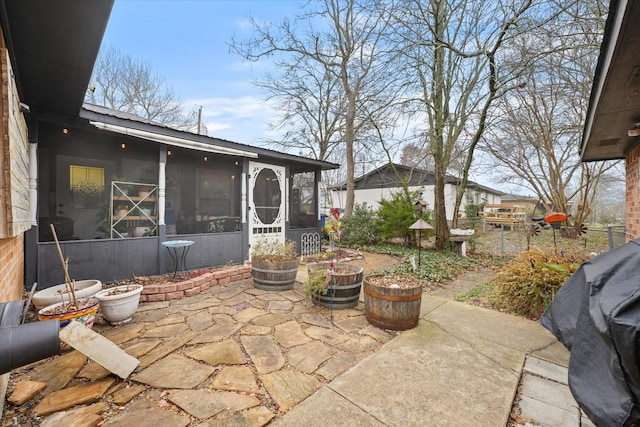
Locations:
{"points": [[331, 290], [331, 264]]}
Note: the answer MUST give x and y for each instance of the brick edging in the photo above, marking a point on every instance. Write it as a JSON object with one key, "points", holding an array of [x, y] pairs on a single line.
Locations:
{"points": [[171, 291]]}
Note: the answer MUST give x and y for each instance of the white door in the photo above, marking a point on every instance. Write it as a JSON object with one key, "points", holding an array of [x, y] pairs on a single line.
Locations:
{"points": [[267, 193]]}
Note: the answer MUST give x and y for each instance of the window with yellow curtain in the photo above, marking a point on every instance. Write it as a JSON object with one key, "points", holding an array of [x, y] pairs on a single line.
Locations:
{"points": [[86, 185]]}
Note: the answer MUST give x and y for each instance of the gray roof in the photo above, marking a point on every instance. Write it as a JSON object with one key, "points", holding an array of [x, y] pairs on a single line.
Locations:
{"points": [[95, 113], [385, 177]]}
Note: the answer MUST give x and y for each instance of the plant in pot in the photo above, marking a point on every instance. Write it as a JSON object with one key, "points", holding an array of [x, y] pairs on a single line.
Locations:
{"points": [[82, 310], [119, 304], [274, 264], [333, 284]]}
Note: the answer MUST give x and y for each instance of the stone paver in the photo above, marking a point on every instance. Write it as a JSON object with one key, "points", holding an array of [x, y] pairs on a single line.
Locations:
{"points": [[125, 394], [236, 378], [85, 416], [59, 371], [290, 334], [216, 333], [308, 357], [69, 397], [264, 353], [165, 348], [256, 417], [199, 403], [174, 371], [227, 352], [288, 388], [144, 413], [24, 391], [329, 336]]}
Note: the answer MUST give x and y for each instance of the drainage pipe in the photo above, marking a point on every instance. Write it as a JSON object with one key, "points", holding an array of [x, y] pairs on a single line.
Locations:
{"points": [[28, 343]]}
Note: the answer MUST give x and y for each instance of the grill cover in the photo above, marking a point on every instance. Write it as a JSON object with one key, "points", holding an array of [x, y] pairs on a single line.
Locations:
{"points": [[596, 315]]}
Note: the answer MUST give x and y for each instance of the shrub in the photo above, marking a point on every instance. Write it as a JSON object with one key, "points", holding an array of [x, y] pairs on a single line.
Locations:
{"points": [[397, 214], [527, 285], [360, 227], [272, 250]]}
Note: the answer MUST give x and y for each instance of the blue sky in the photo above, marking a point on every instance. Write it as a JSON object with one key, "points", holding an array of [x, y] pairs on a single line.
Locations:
{"points": [[187, 43]]}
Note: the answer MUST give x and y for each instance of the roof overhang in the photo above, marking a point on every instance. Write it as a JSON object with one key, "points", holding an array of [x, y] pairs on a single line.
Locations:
{"points": [[53, 45], [127, 124], [614, 106]]}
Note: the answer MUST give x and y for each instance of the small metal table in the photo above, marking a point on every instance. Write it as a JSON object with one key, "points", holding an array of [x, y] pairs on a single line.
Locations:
{"points": [[179, 260]]}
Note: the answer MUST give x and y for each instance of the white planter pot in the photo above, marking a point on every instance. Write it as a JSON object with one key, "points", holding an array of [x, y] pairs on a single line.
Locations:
{"points": [[52, 295], [119, 308]]}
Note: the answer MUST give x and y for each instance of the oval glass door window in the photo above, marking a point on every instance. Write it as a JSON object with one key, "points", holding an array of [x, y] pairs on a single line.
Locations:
{"points": [[267, 196]]}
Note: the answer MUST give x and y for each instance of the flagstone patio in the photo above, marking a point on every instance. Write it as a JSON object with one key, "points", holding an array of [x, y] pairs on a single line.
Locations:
{"points": [[230, 354]]}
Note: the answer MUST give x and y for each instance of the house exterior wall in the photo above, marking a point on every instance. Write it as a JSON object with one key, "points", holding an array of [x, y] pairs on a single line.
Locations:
{"points": [[14, 185], [632, 194], [12, 268], [372, 197]]}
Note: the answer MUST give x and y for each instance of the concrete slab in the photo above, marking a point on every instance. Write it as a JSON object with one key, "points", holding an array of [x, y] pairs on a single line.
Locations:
{"points": [[542, 368], [471, 321], [327, 408], [426, 374], [547, 415], [550, 392]]}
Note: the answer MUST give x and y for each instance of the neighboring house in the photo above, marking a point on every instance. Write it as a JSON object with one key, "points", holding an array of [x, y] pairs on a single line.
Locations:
{"points": [[531, 205], [612, 127], [116, 186], [383, 182]]}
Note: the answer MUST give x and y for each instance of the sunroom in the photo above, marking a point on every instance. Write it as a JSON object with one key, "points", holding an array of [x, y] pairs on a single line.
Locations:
{"points": [[113, 187]]}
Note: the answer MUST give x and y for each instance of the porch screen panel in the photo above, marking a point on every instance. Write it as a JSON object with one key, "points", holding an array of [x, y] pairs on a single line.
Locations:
{"points": [[302, 200]]}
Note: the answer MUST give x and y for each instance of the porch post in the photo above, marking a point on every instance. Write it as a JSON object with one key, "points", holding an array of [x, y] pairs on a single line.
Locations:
{"points": [[318, 180], [162, 228], [33, 183]]}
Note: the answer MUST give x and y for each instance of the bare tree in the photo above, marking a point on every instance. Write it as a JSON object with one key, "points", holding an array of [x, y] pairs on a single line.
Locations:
{"points": [[311, 104], [456, 58], [124, 83], [537, 142], [342, 38]]}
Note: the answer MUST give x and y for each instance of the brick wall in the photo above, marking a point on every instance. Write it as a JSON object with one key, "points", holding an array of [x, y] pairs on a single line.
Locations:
{"points": [[633, 193], [11, 268]]}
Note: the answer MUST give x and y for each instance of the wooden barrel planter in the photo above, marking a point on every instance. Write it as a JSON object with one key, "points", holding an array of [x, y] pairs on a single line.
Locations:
{"points": [[345, 290], [392, 302], [274, 275]]}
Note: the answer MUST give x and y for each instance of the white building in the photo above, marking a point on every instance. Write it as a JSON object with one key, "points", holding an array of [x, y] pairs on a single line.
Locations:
{"points": [[383, 182]]}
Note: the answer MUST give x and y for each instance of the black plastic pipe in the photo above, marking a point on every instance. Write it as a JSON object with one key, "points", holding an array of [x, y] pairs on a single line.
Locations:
{"points": [[28, 343]]}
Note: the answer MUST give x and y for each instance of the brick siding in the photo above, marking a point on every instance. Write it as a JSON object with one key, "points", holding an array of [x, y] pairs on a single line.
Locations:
{"points": [[11, 268]]}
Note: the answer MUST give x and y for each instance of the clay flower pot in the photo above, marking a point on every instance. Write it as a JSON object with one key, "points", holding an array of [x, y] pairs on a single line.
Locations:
{"points": [[52, 295], [86, 314], [119, 304]]}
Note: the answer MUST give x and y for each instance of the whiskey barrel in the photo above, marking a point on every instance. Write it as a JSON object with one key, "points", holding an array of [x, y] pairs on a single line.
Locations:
{"points": [[274, 275], [344, 292], [392, 302]]}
